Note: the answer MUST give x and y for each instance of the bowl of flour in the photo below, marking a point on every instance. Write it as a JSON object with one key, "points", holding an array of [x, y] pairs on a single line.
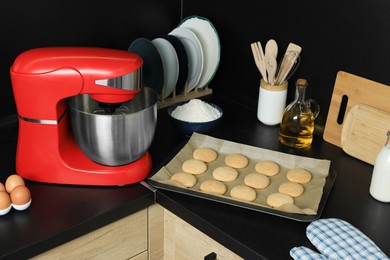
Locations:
{"points": [[195, 115]]}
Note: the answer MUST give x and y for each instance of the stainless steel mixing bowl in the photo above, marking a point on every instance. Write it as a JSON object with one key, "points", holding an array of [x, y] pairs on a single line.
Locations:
{"points": [[114, 139]]}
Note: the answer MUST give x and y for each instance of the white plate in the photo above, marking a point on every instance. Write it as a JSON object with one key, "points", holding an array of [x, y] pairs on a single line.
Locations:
{"points": [[194, 51], [170, 64], [208, 37]]}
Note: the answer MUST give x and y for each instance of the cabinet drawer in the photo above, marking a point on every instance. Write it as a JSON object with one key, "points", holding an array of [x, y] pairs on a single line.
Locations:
{"points": [[121, 239], [183, 241]]}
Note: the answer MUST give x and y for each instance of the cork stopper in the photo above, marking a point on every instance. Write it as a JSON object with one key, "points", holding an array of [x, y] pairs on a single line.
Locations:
{"points": [[301, 83]]}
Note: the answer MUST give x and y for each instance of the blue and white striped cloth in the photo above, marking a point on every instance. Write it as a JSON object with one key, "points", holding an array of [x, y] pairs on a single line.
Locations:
{"points": [[337, 239]]}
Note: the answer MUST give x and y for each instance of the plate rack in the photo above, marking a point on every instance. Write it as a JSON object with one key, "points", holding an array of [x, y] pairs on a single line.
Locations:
{"points": [[176, 98]]}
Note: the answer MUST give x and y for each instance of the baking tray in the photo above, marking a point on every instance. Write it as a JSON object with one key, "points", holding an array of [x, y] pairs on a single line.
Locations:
{"points": [[326, 189]]}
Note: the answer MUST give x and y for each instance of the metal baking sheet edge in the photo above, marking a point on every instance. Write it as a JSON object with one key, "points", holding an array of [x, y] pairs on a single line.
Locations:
{"points": [[330, 179]]}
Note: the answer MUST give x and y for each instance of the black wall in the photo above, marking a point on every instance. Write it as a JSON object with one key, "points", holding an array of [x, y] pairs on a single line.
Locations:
{"points": [[27, 24], [349, 35]]}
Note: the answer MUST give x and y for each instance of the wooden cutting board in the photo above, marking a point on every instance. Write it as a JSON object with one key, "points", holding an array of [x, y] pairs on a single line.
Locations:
{"points": [[356, 90], [364, 132]]}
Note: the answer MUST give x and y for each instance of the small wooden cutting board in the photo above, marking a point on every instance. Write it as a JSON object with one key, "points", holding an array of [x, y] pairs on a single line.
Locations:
{"points": [[364, 132], [356, 90]]}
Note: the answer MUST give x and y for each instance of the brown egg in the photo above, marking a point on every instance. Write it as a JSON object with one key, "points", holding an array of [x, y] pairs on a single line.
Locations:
{"points": [[2, 187], [20, 195], [13, 181], [5, 200]]}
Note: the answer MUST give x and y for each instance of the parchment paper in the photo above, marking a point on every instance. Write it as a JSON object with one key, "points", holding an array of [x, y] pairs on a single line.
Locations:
{"points": [[307, 203]]}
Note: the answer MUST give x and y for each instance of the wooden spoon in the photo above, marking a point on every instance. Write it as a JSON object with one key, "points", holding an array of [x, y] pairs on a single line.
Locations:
{"points": [[271, 66], [272, 47]]}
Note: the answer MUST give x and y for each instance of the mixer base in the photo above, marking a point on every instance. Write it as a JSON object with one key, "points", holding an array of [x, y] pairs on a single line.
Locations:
{"points": [[105, 176], [61, 161]]}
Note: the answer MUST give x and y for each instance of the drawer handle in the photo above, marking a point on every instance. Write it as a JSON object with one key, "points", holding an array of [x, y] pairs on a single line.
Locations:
{"points": [[211, 256]]}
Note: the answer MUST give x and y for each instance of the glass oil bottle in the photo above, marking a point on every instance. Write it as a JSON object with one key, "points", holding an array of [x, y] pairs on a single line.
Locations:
{"points": [[297, 125]]}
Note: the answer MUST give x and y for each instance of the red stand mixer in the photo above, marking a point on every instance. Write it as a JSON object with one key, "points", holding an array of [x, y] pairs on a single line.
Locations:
{"points": [[50, 85]]}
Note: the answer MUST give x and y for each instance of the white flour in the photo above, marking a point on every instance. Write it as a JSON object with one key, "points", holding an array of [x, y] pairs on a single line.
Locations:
{"points": [[196, 111]]}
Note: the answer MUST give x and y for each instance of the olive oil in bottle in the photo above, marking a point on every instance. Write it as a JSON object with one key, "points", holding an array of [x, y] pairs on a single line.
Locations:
{"points": [[297, 126]]}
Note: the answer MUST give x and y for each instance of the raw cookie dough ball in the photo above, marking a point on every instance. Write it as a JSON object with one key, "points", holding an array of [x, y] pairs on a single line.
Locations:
{"points": [[278, 199], [291, 188], [186, 179], [243, 192], [205, 154], [225, 173], [268, 168], [256, 180], [213, 186], [237, 161], [194, 166], [299, 175]]}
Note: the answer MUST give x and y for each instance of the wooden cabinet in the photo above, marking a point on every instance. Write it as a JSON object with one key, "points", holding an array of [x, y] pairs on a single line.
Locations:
{"points": [[182, 241], [124, 239], [153, 233]]}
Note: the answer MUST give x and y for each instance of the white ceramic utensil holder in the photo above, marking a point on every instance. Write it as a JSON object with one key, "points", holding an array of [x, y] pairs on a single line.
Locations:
{"points": [[271, 103]]}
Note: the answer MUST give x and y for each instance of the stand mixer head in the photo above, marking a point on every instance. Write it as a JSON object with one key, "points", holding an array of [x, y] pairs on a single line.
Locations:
{"points": [[46, 76], [46, 80]]}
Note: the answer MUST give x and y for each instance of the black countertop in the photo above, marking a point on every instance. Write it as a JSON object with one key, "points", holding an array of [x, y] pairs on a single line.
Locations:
{"points": [[60, 213]]}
